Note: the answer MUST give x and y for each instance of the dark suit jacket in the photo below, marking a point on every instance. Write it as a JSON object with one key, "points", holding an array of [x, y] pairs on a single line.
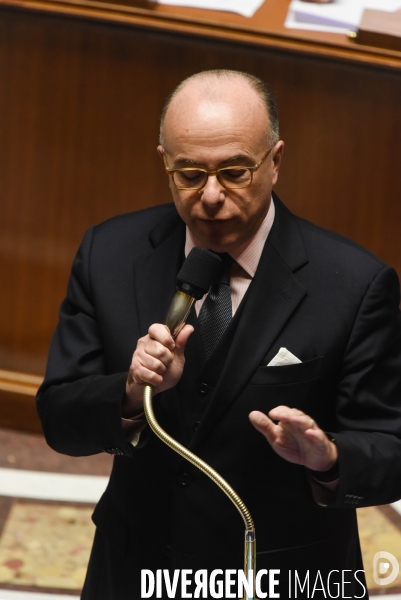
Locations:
{"points": [[327, 300]]}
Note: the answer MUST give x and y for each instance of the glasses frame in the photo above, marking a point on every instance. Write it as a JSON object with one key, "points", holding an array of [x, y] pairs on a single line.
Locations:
{"points": [[216, 173]]}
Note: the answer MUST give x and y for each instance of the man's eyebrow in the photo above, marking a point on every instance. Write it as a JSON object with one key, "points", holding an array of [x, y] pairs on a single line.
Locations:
{"points": [[244, 157], [187, 161], [227, 161]]}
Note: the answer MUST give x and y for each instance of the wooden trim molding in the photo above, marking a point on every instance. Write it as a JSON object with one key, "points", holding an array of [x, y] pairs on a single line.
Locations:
{"points": [[17, 401], [21, 383]]}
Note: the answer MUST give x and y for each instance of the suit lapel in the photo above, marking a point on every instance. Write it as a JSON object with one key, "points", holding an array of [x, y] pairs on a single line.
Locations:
{"points": [[155, 271], [272, 297]]}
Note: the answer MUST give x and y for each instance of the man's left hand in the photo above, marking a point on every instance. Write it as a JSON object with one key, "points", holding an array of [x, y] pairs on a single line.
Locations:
{"points": [[296, 437]]}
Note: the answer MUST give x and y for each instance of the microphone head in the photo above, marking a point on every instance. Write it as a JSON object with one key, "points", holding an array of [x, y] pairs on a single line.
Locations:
{"points": [[198, 272]]}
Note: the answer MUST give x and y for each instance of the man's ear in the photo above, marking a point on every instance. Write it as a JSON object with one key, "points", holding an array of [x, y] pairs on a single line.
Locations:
{"points": [[278, 152], [160, 151]]}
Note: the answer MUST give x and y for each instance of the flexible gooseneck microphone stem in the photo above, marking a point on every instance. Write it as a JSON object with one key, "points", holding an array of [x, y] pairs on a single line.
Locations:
{"points": [[175, 320], [250, 539]]}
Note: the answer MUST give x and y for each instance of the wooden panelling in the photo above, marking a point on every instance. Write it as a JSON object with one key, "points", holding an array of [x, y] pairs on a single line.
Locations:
{"points": [[79, 107]]}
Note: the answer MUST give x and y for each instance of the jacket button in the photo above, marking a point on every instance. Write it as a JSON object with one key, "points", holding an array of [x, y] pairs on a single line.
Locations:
{"points": [[204, 389], [196, 425], [184, 479]]}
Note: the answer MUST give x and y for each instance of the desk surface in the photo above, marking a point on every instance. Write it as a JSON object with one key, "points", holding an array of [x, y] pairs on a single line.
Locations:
{"points": [[265, 28]]}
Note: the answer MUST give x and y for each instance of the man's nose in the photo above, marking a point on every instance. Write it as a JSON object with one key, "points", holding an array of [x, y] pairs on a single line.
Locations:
{"points": [[213, 192]]}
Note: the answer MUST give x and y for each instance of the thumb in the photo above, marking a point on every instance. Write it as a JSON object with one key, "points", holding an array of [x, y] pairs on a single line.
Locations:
{"points": [[263, 424], [181, 339]]}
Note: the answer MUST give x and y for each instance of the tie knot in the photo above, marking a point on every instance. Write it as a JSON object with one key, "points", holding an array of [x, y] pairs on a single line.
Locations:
{"points": [[225, 267]]}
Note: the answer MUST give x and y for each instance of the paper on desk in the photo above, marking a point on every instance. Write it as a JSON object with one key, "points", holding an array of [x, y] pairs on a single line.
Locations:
{"points": [[340, 16], [246, 8]]}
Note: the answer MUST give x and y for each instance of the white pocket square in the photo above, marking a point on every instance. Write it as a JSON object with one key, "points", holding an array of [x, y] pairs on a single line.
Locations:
{"points": [[283, 357]]}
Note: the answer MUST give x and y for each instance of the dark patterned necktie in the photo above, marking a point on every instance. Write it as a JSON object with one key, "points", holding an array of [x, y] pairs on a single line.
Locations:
{"points": [[216, 312]]}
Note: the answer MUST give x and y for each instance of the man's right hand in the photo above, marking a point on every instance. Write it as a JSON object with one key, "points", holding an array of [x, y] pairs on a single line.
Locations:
{"points": [[157, 361]]}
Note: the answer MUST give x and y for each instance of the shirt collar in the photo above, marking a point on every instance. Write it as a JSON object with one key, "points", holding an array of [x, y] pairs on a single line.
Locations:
{"points": [[247, 255]]}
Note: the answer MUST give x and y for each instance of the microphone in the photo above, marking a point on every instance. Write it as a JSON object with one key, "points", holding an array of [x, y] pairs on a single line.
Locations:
{"points": [[192, 282]]}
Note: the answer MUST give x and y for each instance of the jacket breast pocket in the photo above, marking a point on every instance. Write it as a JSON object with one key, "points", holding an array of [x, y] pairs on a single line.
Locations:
{"points": [[298, 386], [289, 374]]}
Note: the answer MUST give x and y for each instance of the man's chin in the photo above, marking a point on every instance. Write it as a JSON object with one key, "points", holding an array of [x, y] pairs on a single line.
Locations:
{"points": [[220, 245]]}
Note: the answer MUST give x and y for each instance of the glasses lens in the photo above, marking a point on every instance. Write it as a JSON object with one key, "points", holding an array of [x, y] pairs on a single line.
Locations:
{"points": [[190, 179], [235, 177]]}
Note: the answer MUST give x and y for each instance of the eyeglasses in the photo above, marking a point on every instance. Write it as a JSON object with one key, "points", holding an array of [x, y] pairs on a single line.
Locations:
{"points": [[231, 178]]}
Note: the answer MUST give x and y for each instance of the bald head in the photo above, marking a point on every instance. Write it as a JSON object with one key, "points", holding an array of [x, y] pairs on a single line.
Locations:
{"points": [[246, 92], [205, 113]]}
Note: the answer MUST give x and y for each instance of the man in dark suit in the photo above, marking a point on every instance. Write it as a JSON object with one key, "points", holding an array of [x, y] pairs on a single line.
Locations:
{"points": [[311, 360]]}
